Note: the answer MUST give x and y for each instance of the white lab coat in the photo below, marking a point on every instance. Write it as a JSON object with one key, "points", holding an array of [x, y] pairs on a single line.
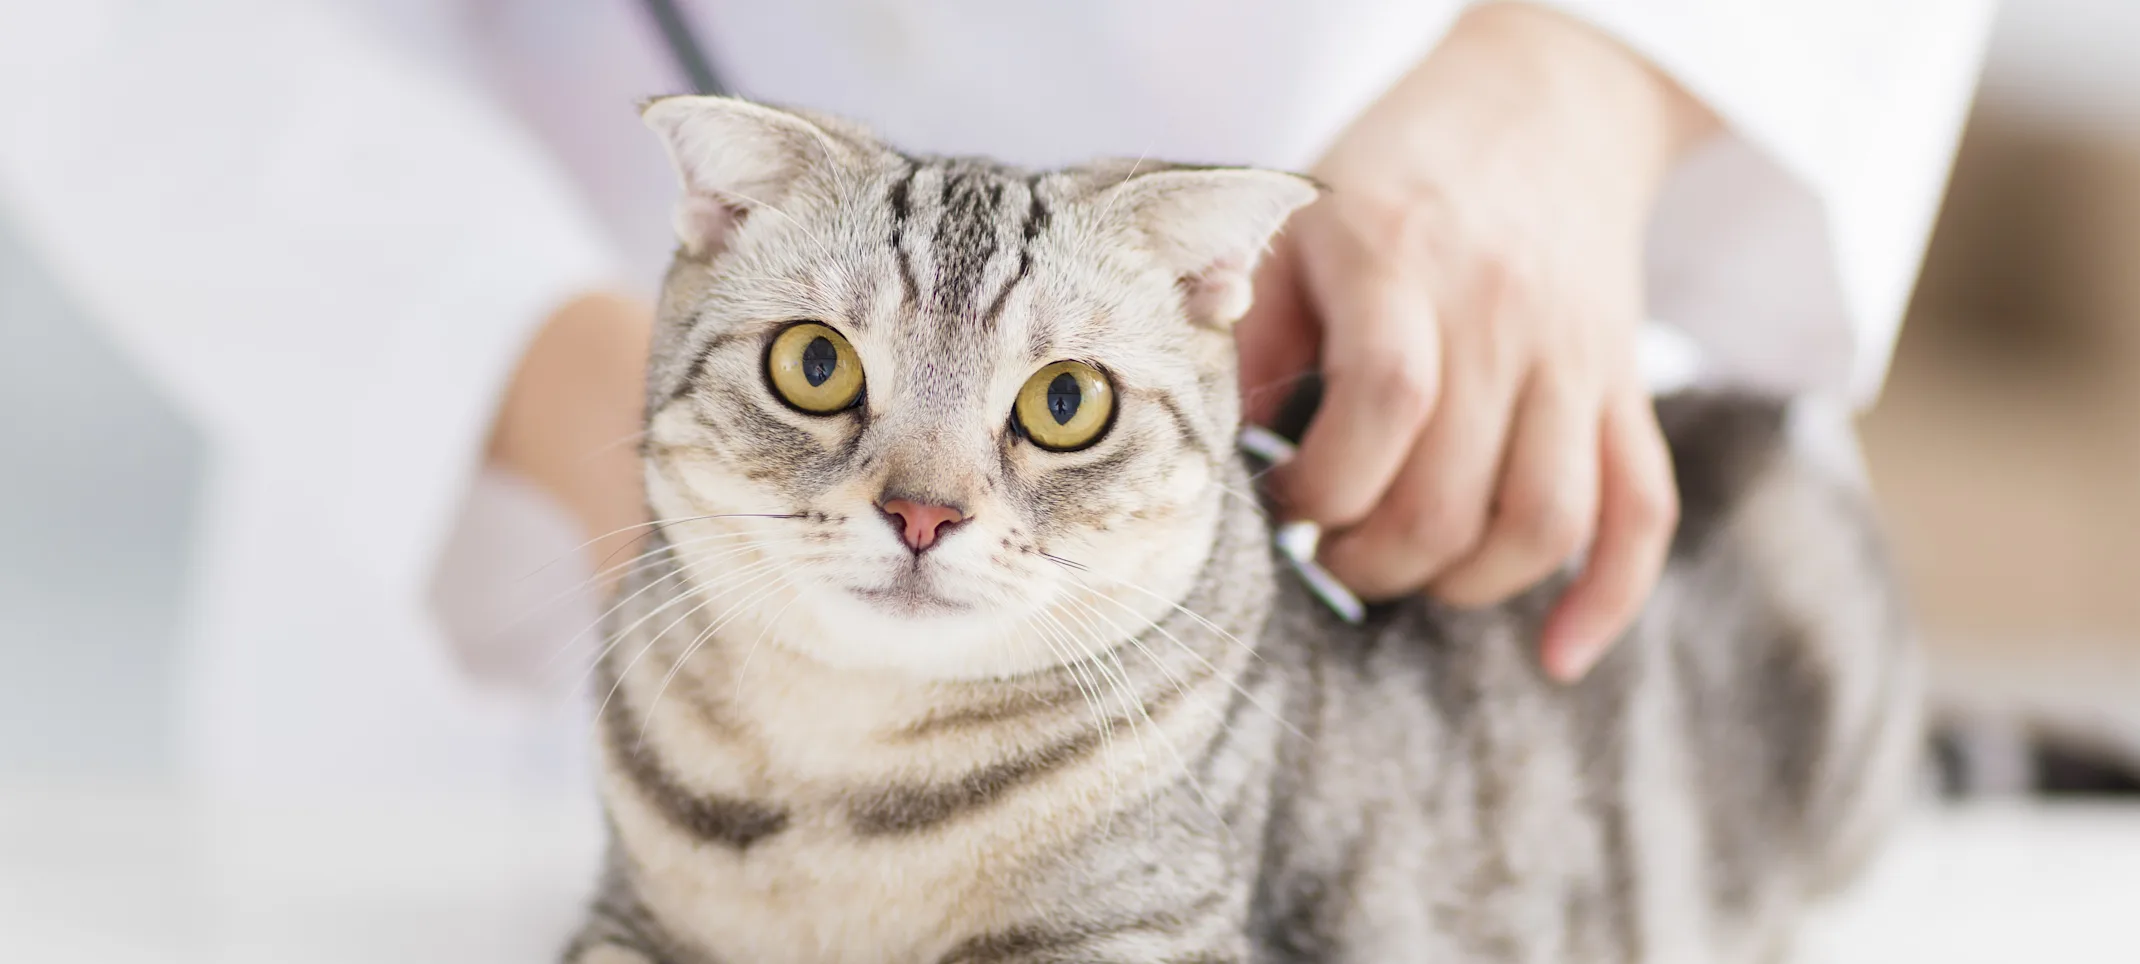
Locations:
{"points": [[326, 229]]}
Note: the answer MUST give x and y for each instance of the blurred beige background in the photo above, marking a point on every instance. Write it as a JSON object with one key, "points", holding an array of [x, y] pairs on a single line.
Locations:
{"points": [[2006, 447]]}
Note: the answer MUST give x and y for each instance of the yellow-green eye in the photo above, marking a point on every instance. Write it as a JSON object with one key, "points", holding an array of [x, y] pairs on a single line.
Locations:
{"points": [[814, 369], [1065, 406]]}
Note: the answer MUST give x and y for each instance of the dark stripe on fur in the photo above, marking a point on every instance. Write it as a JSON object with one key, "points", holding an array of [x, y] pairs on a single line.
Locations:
{"points": [[907, 809], [619, 919], [983, 715], [1758, 716], [1003, 297], [1719, 445], [1189, 435], [714, 819], [1036, 212], [902, 208], [1061, 496], [1036, 220], [1244, 693], [697, 370], [1018, 944], [966, 239], [1604, 914]]}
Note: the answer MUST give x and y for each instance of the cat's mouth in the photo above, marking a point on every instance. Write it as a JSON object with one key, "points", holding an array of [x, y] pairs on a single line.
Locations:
{"points": [[910, 593]]}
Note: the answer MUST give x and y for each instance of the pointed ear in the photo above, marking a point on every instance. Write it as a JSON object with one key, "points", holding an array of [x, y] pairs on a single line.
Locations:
{"points": [[732, 156], [1210, 226]]}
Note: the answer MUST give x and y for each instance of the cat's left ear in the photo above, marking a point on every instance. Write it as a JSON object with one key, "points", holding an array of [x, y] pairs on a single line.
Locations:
{"points": [[1210, 226], [733, 156]]}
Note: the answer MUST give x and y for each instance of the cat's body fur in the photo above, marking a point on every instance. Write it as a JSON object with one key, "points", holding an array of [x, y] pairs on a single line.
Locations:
{"points": [[1223, 771]]}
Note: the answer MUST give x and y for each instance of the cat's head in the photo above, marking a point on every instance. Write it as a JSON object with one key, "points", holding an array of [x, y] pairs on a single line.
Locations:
{"points": [[941, 415]]}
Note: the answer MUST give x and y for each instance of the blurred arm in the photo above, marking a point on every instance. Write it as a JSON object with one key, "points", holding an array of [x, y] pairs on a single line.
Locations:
{"points": [[1859, 101]]}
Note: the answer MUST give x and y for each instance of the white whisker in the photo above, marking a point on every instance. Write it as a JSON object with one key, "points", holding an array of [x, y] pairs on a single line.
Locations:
{"points": [[1199, 657], [683, 567], [655, 524], [1129, 715], [1211, 809], [655, 639], [780, 581], [1083, 654], [630, 567], [1086, 691]]}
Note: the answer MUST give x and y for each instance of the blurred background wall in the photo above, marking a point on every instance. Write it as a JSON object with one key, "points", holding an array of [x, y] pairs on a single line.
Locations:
{"points": [[97, 483], [2007, 446]]}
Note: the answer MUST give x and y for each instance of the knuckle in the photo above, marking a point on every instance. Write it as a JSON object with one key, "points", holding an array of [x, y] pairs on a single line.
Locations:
{"points": [[1510, 280], [1442, 529], [1401, 384], [1549, 523], [1394, 230], [1396, 384]]}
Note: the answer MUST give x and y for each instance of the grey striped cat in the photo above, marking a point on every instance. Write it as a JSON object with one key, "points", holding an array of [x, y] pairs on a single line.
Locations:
{"points": [[960, 639]]}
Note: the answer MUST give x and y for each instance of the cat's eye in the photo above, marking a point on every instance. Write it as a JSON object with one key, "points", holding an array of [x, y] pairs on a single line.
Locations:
{"points": [[814, 369], [1065, 406]]}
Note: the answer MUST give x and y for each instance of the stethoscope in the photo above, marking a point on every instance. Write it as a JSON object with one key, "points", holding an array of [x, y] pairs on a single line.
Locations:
{"points": [[684, 48]]}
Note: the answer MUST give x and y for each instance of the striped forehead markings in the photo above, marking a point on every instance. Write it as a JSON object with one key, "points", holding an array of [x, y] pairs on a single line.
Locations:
{"points": [[964, 240], [902, 209]]}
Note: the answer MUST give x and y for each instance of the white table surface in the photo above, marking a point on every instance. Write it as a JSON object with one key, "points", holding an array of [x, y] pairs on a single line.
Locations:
{"points": [[122, 877]]}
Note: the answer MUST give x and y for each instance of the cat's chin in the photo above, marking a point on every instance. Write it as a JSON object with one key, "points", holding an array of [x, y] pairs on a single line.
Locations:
{"points": [[912, 596], [911, 627]]}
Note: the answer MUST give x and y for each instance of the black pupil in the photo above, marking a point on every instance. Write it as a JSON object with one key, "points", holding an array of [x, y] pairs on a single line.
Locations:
{"points": [[1063, 398], [819, 359]]}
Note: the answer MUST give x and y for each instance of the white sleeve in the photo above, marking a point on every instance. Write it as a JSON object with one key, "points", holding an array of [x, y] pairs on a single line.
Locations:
{"points": [[328, 256], [1789, 249]]}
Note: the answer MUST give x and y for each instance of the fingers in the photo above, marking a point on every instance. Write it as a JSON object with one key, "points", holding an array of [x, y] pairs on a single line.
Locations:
{"points": [[1381, 369], [1638, 510], [1547, 500], [1276, 339], [1435, 511]]}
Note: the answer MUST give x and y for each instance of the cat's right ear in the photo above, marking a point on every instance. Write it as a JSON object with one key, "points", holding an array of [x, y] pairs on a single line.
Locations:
{"points": [[733, 156]]}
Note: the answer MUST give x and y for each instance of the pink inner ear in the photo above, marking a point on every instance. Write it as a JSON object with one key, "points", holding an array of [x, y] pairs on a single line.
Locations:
{"points": [[1220, 294], [703, 224]]}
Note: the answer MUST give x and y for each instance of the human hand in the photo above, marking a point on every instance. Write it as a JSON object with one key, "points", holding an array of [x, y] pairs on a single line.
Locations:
{"points": [[571, 413], [1472, 289]]}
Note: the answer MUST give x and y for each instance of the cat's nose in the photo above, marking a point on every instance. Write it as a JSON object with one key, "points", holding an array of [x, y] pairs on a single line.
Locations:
{"points": [[921, 525]]}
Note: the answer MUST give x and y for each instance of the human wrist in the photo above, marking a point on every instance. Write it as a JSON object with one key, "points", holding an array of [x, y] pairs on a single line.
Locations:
{"points": [[1533, 98], [1603, 98]]}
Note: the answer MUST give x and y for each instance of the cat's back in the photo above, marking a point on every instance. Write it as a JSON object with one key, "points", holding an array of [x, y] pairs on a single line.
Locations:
{"points": [[1732, 756]]}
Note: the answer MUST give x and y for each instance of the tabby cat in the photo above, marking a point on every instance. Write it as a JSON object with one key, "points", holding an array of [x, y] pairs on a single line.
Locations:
{"points": [[962, 639]]}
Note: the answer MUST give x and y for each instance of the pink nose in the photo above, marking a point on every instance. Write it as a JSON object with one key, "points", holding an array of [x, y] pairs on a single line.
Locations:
{"points": [[920, 525]]}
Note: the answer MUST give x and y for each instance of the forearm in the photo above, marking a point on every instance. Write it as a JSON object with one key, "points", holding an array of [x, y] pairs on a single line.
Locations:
{"points": [[572, 415]]}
